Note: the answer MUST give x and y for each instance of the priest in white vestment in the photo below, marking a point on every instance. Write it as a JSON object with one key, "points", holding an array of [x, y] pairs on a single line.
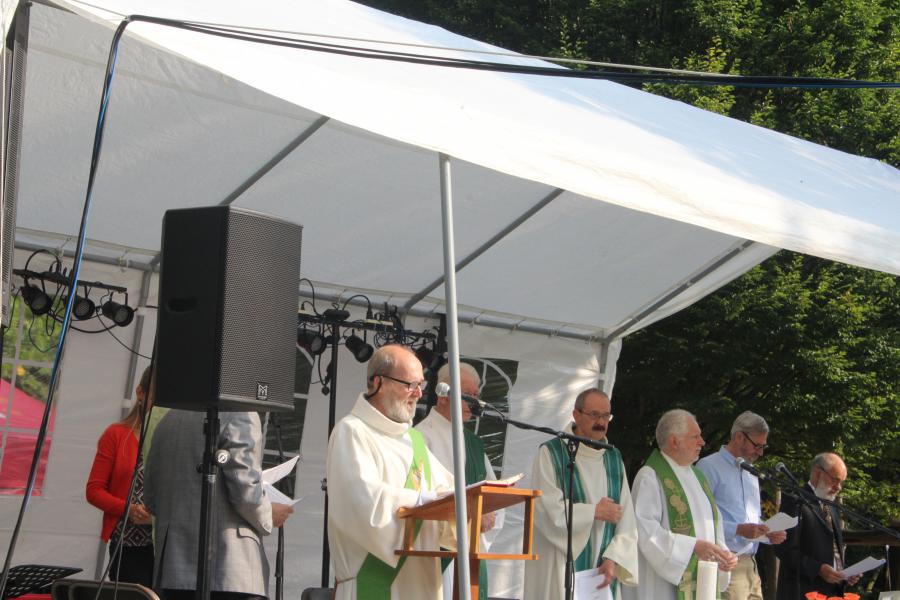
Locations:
{"points": [[669, 485], [438, 434], [376, 465], [604, 534]]}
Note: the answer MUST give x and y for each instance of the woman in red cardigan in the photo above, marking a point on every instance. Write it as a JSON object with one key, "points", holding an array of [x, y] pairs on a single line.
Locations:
{"points": [[107, 489]]}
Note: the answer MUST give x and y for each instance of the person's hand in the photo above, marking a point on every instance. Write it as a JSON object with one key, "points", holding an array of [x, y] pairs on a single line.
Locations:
{"points": [[607, 568], [854, 579], [139, 515], [713, 553], [829, 574], [607, 510], [729, 563], [488, 521], [751, 531], [776, 537], [280, 513]]}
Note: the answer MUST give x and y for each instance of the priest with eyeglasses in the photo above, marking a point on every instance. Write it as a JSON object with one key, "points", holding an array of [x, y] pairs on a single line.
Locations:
{"points": [[604, 534], [377, 464]]}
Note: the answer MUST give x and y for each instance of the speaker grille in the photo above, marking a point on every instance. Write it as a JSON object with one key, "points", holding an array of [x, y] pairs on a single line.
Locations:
{"points": [[259, 310], [14, 92]]}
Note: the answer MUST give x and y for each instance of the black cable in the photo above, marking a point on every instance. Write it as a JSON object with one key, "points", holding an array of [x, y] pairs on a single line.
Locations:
{"points": [[31, 338], [121, 343], [56, 262], [363, 296], [313, 288], [699, 79], [76, 270]]}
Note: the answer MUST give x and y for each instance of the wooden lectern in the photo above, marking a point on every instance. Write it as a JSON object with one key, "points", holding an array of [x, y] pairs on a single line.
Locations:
{"points": [[481, 499]]}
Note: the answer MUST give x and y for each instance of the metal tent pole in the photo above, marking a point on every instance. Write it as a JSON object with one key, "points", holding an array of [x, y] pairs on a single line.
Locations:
{"points": [[459, 452]]}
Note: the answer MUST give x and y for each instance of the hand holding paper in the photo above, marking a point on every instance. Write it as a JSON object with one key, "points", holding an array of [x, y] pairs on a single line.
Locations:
{"points": [[866, 564], [276, 474], [778, 522], [586, 584]]}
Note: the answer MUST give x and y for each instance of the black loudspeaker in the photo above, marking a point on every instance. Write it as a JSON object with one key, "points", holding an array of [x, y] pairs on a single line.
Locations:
{"points": [[227, 329], [14, 63]]}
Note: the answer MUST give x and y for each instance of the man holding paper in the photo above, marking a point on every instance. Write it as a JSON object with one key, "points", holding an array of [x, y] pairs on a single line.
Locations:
{"points": [[242, 513], [436, 430], [680, 530], [376, 465], [737, 497], [812, 558], [604, 536]]}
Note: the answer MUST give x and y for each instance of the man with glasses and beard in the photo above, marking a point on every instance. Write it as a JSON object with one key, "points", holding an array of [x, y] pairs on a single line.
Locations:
{"points": [[604, 534], [737, 496], [813, 555], [377, 464]]}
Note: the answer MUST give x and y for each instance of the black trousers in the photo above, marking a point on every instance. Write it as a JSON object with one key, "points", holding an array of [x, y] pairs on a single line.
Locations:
{"points": [[136, 565]]}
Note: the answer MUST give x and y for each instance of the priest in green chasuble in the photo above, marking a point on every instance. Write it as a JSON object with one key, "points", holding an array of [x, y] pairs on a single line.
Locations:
{"points": [[677, 519], [436, 430], [604, 535], [377, 464]]}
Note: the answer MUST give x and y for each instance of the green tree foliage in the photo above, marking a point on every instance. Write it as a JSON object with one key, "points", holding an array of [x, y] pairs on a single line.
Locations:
{"points": [[811, 345]]}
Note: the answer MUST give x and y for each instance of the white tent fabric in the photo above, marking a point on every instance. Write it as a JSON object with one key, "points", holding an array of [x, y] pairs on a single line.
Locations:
{"points": [[640, 205], [679, 186]]}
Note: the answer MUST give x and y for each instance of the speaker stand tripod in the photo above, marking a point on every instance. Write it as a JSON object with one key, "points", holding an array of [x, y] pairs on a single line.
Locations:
{"points": [[213, 459]]}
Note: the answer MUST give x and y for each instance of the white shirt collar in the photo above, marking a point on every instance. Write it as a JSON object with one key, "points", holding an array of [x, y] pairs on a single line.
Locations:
{"points": [[373, 417]]}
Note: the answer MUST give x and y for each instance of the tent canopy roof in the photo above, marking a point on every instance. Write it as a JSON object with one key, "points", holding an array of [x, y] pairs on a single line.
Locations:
{"points": [[617, 197]]}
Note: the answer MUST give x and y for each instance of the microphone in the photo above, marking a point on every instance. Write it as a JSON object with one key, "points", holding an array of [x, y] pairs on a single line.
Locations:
{"points": [[476, 404], [787, 473], [743, 464]]}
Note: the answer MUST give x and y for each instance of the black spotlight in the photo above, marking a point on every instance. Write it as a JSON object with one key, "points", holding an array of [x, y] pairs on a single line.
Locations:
{"points": [[360, 349], [36, 299], [82, 308], [313, 341], [120, 314]]}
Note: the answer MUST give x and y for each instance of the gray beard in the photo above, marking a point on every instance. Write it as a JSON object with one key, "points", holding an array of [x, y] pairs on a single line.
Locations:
{"points": [[398, 413], [823, 492]]}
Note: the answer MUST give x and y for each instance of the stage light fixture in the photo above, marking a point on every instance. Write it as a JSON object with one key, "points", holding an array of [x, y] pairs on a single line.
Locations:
{"points": [[82, 308], [426, 356], [36, 299], [120, 314], [312, 340], [360, 349]]}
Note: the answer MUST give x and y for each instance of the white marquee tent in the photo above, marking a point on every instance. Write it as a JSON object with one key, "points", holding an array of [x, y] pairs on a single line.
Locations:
{"points": [[583, 209]]}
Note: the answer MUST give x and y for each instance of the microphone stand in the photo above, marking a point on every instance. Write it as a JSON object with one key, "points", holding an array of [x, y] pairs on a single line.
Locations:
{"points": [[572, 442]]}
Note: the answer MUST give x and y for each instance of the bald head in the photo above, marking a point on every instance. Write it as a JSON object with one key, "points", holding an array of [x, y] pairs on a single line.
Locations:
{"points": [[394, 374], [827, 475]]}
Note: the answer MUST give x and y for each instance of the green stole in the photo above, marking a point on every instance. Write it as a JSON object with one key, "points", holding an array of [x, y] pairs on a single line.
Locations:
{"points": [[375, 577], [680, 519], [615, 474], [475, 471]]}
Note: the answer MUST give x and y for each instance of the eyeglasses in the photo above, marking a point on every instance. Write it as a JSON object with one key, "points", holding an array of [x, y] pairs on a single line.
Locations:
{"points": [[834, 480], [755, 445], [594, 415], [411, 386]]}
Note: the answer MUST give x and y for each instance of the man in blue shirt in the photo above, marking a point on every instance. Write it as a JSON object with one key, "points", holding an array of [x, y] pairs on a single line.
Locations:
{"points": [[737, 495]]}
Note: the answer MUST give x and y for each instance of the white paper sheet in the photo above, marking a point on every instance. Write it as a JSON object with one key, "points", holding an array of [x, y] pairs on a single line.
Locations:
{"points": [[866, 564], [778, 522], [586, 583], [279, 472], [276, 474], [275, 495]]}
